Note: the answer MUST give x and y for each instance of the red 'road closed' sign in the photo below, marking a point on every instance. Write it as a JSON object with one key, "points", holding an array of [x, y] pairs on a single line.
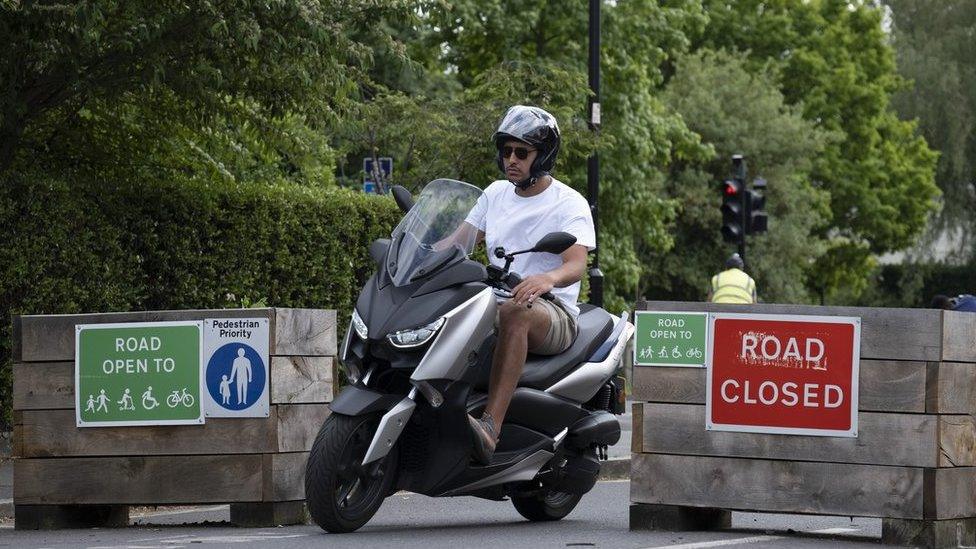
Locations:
{"points": [[783, 374]]}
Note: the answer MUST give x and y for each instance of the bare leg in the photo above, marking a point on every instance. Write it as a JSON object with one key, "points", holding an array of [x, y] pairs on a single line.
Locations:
{"points": [[520, 328]]}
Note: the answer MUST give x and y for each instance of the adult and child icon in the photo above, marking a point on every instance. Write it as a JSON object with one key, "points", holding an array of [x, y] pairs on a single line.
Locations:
{"points": [[241, 374]]}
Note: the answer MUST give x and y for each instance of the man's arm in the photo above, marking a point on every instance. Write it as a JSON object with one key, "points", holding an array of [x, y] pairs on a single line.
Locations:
{"points": [[570, 272]]}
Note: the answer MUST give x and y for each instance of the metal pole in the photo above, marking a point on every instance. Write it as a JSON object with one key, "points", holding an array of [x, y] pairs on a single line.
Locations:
{"points": [[593, 163]]}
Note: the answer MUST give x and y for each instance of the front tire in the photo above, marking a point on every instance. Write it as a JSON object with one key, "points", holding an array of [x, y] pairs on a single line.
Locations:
{"points": [[342, 495], [549, 505]]}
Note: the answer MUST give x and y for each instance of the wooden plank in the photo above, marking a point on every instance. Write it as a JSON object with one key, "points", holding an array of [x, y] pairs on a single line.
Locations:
{"points": [[156, 480], [910, 440], [957, 440], [44, 385], [950, 493], [958, 336], [886, 333], [298, 424], [951, 388], [778, 486], [305, 332], [52, 433], [284, 476], [928, 533], [47, 338], [883, 385], [302, 379], [50, 385]]}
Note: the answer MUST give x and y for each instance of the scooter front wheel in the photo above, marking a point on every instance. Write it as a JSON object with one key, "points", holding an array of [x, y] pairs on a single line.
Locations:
{"points": [[342, 494], [549, 505]]}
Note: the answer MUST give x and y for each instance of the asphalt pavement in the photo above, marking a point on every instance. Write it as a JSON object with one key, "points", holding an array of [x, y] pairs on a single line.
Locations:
{"points": [[411, 521]]}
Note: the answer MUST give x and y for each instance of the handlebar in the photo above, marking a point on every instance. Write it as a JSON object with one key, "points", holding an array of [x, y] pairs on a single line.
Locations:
{"points": [[508, 281]]}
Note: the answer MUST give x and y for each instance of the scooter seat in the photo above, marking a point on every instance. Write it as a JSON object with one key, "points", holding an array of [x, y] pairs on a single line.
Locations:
{"points": [[541, 372]]}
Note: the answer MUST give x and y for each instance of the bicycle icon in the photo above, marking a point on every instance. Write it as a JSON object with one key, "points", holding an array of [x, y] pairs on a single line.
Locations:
{"points": [[694, 353], [176, 397]]}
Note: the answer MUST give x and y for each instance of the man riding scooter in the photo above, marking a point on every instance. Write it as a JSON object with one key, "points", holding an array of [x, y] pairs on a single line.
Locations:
{"points": [[514, 214]]}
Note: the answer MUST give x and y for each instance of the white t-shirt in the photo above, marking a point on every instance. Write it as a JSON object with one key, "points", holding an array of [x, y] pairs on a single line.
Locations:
{"points": [[518, 222]]}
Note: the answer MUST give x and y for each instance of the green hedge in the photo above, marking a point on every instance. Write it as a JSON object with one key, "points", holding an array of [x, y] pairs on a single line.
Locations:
{"points": [[914, 284], [96, 246]]}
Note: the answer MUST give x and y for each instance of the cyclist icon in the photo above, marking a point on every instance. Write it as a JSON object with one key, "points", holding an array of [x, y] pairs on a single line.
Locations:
{"points": [[176, 398]]}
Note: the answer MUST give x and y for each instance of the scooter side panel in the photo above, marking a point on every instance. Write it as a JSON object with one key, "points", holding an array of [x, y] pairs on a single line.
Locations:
{"points": [[465, 327]]}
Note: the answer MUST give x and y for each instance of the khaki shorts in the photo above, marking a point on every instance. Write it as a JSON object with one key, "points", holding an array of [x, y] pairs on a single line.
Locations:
{"points": [[562, 328]]}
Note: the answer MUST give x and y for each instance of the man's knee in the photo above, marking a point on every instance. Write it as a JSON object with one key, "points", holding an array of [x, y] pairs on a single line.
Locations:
{"points": [[513, 317]]}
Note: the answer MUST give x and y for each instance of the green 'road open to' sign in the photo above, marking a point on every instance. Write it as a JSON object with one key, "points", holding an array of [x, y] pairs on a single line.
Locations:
{"points": [[670, 339], [138, 374]]}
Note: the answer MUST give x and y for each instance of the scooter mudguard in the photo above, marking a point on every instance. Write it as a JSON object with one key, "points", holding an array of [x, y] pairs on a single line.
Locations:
{"points": [[355, 400]]}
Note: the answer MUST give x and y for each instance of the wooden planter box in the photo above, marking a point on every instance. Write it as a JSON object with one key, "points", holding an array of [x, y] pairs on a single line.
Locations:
{"points": [[65, 476], [913, 463]]}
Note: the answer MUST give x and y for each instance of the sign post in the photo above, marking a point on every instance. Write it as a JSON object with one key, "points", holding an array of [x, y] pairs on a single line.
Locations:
{"points": [[670, 339], [783, 374], [138, 374]]}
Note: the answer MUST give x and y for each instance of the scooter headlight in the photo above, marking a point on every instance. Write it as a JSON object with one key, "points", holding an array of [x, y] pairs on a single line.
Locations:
{"points": [[415, 337], [359, 325]]}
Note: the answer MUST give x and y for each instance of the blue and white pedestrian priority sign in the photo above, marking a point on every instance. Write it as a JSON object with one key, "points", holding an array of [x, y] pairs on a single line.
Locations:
{"points": [[236, 361]]}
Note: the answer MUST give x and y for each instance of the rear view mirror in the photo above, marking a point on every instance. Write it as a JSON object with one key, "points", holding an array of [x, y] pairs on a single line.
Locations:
{"points": [[403, 198], [555, 243]]}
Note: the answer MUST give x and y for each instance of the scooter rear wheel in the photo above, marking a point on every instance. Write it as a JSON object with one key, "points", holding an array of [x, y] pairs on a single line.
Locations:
{"points": [[550, 505], [342, 495]]}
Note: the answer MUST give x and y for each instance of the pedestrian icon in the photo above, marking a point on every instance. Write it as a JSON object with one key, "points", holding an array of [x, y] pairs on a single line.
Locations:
{"points": [[91, 404], [236, 376], [241, 371], [102, 401]]}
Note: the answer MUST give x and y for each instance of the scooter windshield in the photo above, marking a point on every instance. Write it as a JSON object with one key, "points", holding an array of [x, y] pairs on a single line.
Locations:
{"points": [[440, 226]]}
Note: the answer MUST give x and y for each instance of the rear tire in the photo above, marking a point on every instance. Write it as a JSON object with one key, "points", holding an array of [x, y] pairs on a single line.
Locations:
{"points": [[341, 494], [550, 505]]}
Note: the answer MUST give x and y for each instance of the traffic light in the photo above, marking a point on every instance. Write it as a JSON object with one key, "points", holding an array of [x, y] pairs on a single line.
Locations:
{"points": [[756, 219], [733, 210]]}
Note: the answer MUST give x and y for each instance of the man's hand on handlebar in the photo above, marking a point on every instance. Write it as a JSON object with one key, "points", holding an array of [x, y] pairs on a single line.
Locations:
{"points": [[531, 288]]}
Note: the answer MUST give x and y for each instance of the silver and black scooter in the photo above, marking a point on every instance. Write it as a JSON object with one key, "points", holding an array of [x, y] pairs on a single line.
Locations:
{"points": [[418, 355]]}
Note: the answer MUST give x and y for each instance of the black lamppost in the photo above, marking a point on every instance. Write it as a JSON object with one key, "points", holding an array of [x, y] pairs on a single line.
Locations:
{"points": [[593, 163]]}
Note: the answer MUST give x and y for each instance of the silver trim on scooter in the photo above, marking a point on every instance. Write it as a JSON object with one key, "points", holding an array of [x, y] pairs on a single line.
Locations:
{"points": [[465, 327], [390, 427], [584, 382], [523, 470]]}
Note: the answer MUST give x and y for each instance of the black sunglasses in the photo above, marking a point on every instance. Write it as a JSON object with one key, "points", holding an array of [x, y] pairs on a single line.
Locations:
{"points": [[520, 152]]}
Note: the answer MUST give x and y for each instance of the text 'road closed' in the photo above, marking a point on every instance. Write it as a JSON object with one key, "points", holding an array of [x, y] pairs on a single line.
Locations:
{"points": [[783, 374]]}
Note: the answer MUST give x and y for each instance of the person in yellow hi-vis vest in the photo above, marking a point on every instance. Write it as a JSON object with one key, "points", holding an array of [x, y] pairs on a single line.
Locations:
{"points": [[732, 285]]}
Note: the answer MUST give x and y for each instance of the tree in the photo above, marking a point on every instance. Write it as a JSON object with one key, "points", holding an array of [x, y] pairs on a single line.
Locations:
{"points": [[734, 112], [482, 40], [833, 61], [132, 75], [934, 47]]}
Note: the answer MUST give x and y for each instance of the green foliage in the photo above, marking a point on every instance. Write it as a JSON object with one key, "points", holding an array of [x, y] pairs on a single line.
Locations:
{"points": [[505, 52], [835, 63], [935, 48], [735, 111], [94, 247], [162, 82]]}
